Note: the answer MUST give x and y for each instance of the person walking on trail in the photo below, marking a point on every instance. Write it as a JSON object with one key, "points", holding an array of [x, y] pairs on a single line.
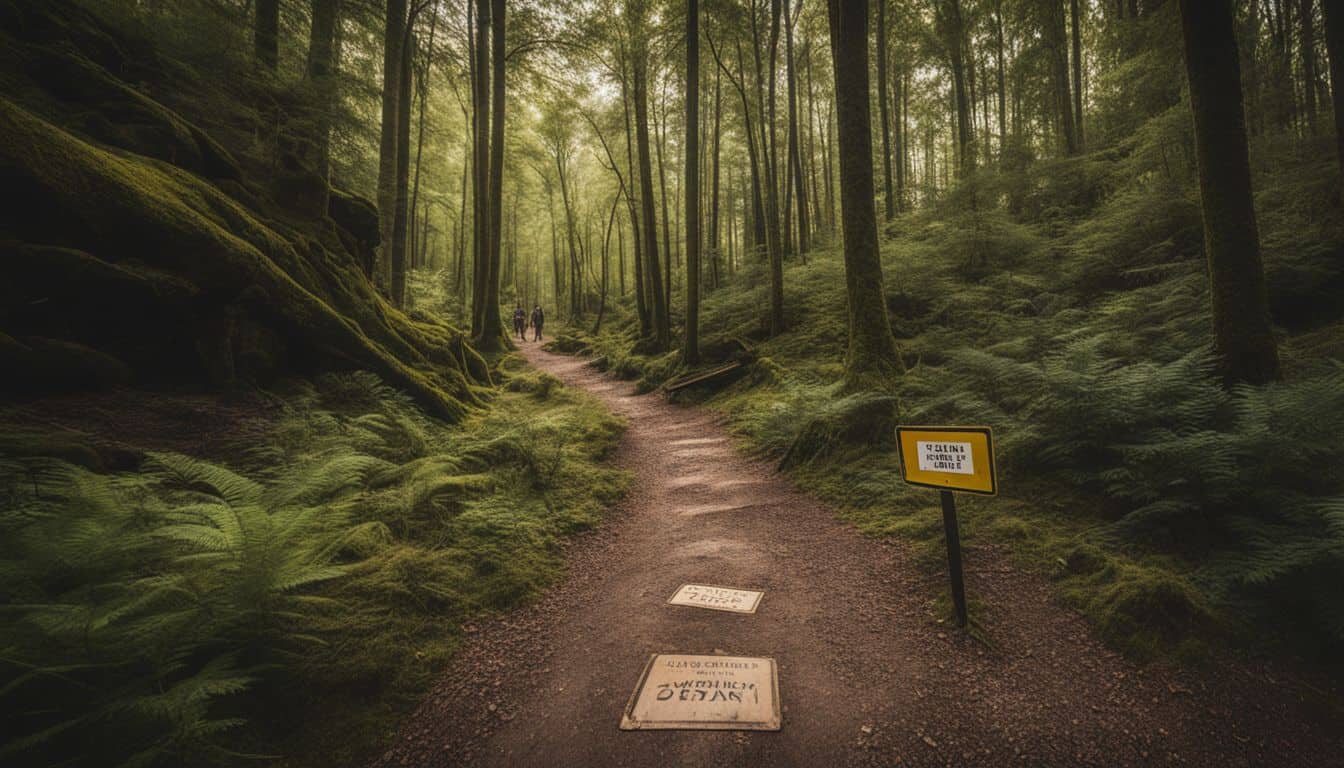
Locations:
{"points": [[538, 320], [520, 323]]}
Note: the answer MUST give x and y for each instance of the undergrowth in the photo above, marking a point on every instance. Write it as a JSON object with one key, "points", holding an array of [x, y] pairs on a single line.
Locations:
{"points": [[294, 599]]}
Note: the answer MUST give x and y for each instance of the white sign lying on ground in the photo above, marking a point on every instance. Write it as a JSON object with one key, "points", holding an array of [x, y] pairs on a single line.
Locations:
{"points": [[717, 598], [705, 692], [945, 457]]}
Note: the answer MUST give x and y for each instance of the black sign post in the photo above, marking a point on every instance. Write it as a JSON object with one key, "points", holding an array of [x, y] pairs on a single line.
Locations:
{"points": [[954, 555]]}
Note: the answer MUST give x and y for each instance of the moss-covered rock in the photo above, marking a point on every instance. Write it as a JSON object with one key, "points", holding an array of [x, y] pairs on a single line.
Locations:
{"points": [[264, 300]]}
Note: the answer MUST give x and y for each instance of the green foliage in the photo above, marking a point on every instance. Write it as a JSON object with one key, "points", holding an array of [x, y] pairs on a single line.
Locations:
{"points": [[331, 561], [1074, 320]]}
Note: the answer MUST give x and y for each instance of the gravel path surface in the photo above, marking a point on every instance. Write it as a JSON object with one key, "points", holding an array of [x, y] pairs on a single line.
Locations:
{"points": [[868, 675]]}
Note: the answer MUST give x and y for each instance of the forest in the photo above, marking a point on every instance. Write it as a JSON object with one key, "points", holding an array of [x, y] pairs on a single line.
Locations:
{"points": [[285, 480]]}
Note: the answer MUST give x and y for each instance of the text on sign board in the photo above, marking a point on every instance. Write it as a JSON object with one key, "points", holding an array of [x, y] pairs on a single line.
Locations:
{"points": [[945, 457]]}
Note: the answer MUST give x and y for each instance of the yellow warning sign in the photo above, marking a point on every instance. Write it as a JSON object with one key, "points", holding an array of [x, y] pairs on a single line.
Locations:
{"points": [[948, 458]]}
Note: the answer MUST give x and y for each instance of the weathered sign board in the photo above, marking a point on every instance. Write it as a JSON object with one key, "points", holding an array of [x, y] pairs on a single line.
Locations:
{"points": [[948, 458], [717, 598], [705, 692]]}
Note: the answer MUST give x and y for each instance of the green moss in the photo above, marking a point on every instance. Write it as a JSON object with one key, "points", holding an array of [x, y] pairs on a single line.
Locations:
{"points": [[178, 224]]}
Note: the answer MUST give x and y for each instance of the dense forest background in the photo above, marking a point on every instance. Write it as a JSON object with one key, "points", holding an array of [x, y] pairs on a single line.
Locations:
{"points": [[304, 223]]}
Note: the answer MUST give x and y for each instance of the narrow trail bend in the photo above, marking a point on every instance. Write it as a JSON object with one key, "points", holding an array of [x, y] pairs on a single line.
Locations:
{"points": [[867, 674]]}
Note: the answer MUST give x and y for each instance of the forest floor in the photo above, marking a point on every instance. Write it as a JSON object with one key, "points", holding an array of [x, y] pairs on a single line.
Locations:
{"points": [[870, 671]]}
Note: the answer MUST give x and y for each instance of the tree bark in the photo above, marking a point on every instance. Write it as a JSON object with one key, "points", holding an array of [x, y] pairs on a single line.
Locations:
{"points": [[481, 167], [321, 75], [399, 201], [393, 36], [266, 34], [1059, 49], [492, 329], [955, 38], [1001, 75], [692, 186], [631, 199], [1243, 336], [772, 233], [1076, 13], [661, 332], [1309, 63], [714, 242], [871, 358], [889, 193], [795, 134], [1334, 45], [423, 96]]}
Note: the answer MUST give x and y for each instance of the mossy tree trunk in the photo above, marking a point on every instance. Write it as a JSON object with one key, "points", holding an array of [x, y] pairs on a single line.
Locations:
{"points": [[393, 34], [266, 34], [692, 186], [872, 358], [1243, 336], [1334, 45]]}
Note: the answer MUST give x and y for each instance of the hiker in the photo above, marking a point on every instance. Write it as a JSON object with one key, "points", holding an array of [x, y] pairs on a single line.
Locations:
{"points": [[520, 323], [538, 320]]}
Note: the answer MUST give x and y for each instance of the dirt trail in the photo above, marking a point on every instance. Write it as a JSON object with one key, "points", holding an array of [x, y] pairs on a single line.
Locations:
{"points": [[868, 676]]}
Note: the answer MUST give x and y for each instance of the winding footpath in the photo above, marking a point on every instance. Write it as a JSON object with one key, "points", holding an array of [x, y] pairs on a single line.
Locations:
{"points": [[868, 675]]}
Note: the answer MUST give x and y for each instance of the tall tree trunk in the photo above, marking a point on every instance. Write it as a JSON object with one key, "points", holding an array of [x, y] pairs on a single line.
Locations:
{"points": [[817, 218], [399, 211], [423, 96], [659, 139], [393, 36], [889, 193], [606, 254], [1076, 13], [266, 34], [459, 272], [492, 330], [1243, 335], [795, 134], [871, 358], [955, 37], [1334, 45], [714, 243], [1059, 49], [661, 332], [481, 169], [692, 186], [631, 199], [321, 75], [1001, 73], [900, 138], [772, 233], [1309, 62], [620, 254]]}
